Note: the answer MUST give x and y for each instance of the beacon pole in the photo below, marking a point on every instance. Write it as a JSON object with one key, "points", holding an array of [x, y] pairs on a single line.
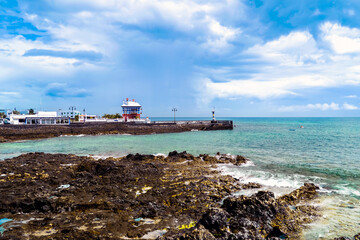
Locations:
{"points": [[174, 110]]}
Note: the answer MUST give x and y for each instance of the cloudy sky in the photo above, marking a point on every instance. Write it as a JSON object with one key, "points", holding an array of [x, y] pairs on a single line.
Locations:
{"points": [[243, 57]]}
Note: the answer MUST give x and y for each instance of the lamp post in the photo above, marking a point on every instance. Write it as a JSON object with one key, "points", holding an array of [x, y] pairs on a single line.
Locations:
{"points": [[174, 110]]}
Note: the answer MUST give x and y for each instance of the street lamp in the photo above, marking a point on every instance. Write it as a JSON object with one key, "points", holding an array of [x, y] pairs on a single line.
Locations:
{"points": [[174, 110]]}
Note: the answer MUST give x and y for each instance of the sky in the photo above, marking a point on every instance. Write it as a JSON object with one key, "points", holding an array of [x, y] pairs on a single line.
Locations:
{"points": [[245, 58]]}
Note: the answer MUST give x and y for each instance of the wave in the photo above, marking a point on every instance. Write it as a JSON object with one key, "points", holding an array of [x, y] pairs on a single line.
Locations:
{"points": [[79, 135]]}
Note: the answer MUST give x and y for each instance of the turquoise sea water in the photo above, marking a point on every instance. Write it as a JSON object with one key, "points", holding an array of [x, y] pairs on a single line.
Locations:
{"points": [[326, 151]]}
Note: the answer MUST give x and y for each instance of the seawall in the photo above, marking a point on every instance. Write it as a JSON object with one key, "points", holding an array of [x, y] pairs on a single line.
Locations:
{"points": [[10, 133]]}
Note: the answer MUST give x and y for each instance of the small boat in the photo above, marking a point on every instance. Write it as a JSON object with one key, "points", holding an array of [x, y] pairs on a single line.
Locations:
{"points": [[292, 130], [301, 126]]}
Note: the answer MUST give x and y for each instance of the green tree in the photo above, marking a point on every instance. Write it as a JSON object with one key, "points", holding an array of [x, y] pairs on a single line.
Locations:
{"points": [[76, 118], [31, 111], [15, 112], [2, 115]]}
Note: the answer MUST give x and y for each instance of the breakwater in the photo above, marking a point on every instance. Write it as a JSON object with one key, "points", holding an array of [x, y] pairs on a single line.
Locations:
{"points": [[10, 133]]}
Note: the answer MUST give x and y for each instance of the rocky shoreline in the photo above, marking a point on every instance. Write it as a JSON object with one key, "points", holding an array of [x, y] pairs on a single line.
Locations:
{"points": [[180, 196], [9, 133]]}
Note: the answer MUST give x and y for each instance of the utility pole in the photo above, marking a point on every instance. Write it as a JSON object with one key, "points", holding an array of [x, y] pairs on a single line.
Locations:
{"points": [[174, 110]]}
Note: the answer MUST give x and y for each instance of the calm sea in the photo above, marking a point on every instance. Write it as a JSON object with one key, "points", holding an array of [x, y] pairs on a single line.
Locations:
{"points": [[283, 156]]}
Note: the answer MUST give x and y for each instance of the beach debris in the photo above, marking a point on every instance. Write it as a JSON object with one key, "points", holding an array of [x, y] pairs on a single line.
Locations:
{"points": [[154, 234], [64, 186], [2, 221]]}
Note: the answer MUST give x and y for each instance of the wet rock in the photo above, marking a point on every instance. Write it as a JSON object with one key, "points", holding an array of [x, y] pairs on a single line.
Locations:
{"points": [[250, 185], [259, 216], [139, 157], [356, 237], [276, 234], [209, 159], [199, 233], [223, 158], [101, 167], [240, 160], [101, 198], [256, 212], [216, 220], [306, 192], [67, 196], [181, 156]]}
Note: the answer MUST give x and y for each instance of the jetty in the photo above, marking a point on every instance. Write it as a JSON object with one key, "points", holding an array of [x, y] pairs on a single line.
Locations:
{"points": [[9, 133]]}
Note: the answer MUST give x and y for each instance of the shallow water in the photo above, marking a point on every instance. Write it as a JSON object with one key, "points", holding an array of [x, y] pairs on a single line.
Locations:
{"points": [[326, 151]]}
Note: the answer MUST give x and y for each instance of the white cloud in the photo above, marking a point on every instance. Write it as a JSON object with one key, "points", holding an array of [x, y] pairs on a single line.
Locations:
{"points": [[351, 96], [10, 94], [12, 58], [341, 39], [349, 106], [201, 19], [95, 25], [290, 65], [258, 88], [318, 106], [7, 96]]}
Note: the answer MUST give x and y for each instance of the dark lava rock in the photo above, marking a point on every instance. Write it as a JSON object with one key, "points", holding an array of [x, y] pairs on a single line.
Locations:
{"points": [[59, 196], [223, 158], [176, 156], [356, 237], [216, 220], [199, 233], [260, 216], [139, 157], [306, 192], [250, 185], [240, 160], [256, 213]]}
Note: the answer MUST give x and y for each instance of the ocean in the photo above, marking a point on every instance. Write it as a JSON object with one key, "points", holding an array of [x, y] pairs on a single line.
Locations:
{"points": [[282, 157]]}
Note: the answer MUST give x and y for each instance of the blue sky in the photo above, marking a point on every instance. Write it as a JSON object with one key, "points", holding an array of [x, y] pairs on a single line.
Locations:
{"points": [[243, 57]]}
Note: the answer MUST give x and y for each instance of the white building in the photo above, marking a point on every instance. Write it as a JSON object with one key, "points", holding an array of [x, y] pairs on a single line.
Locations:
{"points": [[90, 118], [71, 113], [40, 118]]}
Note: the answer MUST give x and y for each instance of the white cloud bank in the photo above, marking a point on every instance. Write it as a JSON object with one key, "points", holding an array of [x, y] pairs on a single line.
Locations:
{"points": [[318, 106], [107, 29], [294, 63]]}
